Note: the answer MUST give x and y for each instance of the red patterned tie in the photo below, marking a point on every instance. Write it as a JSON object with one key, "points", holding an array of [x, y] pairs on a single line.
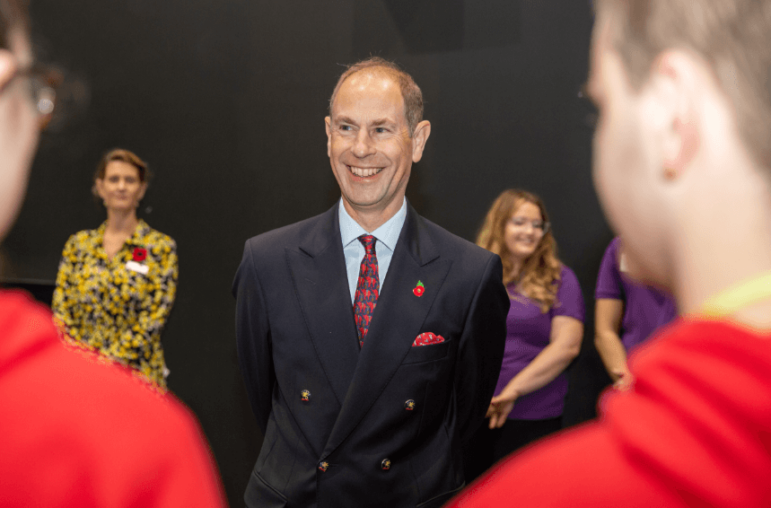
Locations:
{"points": [[367, 287]]}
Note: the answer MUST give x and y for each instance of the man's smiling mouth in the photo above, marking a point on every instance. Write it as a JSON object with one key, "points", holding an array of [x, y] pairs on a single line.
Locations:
{"points": [[364, 172]]}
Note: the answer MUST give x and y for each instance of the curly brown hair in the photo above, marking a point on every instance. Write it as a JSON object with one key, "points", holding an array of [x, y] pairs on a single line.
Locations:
{"points": [[540, 274]]}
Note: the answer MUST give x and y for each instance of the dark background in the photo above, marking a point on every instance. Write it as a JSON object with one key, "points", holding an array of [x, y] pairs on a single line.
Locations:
{"points": [[226, 99]]}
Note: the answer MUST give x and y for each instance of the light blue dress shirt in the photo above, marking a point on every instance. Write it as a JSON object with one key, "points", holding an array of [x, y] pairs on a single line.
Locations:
{"points": [[387, 235]]}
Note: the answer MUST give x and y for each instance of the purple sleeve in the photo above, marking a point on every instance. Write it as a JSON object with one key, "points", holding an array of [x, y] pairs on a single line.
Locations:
{"points": [[569, 297], [609, 279]]}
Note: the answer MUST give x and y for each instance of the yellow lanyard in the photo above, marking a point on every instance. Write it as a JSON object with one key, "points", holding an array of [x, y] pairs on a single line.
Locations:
{"points": [[738, 297]]}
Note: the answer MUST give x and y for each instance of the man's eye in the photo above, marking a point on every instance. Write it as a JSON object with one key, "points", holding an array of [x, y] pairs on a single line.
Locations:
{"points": [[380, 130], [345, 127]]}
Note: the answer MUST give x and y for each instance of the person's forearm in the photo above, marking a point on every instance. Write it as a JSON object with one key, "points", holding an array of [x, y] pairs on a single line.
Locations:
{"points": [[543, 369], [611, 352]]}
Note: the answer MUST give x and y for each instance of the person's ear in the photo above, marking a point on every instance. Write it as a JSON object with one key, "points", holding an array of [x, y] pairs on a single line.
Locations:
{"points": [[419, 138], [99, 185], [142, 190], [675, 83], [8, 67]]}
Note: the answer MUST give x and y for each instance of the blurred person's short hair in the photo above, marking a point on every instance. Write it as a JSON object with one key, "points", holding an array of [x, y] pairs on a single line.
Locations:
{"points": [[732, 36], [413, 97]]}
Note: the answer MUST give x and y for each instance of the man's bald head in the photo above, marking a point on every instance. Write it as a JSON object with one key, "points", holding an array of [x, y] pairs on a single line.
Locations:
{"points": [[411, 94]]}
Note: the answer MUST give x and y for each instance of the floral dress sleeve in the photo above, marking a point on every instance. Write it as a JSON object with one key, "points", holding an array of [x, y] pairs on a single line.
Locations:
{"points": [[62, 301], [166, 285], [156, 294]]}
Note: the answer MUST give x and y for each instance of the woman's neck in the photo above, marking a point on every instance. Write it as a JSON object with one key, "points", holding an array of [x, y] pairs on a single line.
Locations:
{"points": [[516, 267], [121, 221]]}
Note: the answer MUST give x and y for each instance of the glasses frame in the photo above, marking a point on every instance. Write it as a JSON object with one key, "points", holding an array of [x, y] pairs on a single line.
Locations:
{"points": [[43, 81], [544, 226]]}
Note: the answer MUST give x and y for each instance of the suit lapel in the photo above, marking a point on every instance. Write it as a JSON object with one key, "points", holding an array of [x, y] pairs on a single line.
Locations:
{"points": [[396, 322], [319, 277]]}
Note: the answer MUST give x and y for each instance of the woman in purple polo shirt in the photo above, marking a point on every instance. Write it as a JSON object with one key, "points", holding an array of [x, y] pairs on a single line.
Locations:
{"points": [[626, 314], [544, 329]]}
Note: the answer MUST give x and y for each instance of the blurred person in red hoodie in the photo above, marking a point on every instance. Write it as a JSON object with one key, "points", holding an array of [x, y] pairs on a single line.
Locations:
{"points": [[682, 165], [75, 431]]}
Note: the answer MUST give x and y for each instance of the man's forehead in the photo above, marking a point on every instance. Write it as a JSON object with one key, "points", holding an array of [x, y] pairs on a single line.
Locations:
{"points": [[369, 86]]}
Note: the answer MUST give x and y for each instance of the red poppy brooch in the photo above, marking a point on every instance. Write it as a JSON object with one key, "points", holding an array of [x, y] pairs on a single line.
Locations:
{"points": [[140, 254], [419, 289]]}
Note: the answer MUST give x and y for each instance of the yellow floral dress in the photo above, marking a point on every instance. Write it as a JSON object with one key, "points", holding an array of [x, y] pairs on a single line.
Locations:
{"points": [[118, 307]]}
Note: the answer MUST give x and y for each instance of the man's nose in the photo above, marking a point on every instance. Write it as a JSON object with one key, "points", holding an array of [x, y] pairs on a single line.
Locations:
{"points": [[363, 146]]}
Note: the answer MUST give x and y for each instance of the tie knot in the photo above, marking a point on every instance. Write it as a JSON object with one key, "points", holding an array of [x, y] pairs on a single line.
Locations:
{"points": [[368, 241]]}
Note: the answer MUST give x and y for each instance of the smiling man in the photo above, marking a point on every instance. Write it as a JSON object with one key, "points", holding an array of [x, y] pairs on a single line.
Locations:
{"points": [[370, 339]]}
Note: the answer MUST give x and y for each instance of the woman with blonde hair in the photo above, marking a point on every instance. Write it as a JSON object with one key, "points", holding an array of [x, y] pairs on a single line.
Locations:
{"points": [[544, 329], [116, 284]]}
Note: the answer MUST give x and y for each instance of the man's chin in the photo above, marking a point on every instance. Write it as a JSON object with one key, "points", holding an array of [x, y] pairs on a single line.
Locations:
{"points": [[370, 205]]}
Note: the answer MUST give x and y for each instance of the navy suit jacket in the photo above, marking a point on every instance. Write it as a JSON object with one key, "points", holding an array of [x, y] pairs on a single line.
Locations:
{"points": [[377, 426]]}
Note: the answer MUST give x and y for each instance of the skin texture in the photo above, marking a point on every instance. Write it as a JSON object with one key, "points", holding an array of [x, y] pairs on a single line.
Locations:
{"points": [[521, 241], [121, 188], [368, 130], [608, 314], [121, 191], [18, 128]]}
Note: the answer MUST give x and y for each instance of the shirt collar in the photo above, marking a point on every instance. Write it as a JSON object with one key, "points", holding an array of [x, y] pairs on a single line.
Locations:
{"points": [[387, 234]]}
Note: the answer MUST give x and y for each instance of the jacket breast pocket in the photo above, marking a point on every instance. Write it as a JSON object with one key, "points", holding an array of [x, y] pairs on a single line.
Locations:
{"points": [[428, 353]]}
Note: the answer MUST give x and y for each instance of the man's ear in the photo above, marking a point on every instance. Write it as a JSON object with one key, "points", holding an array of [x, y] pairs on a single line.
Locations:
{"points": [[8, 67], [328, 128], [676, 81], [419, 138]]}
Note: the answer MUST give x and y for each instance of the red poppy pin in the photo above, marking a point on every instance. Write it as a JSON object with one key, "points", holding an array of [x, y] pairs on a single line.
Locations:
{"points": [[419, 289], [140, 254]]}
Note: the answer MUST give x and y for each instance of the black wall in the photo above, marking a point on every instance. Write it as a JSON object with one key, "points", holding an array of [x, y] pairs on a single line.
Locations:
{"points": [[226, 98]]}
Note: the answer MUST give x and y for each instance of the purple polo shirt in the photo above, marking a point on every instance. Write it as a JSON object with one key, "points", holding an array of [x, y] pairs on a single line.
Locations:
{"points": [[527, 332], [645, 308]]}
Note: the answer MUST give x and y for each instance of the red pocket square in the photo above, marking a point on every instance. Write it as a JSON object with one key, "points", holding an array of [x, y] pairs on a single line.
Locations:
{"points": [[426, 339]]}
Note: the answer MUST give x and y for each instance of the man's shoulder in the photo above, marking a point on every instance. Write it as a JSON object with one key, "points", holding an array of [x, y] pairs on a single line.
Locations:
{"points": [[276, 240], [453, 246]]}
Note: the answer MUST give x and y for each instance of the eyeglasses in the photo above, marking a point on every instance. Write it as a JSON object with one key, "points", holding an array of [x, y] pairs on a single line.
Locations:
{"points": [[43, 84], [521, 222]]}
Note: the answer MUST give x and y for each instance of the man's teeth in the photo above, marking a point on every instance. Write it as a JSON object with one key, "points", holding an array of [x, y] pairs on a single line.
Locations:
{"points": [[364, 171]]}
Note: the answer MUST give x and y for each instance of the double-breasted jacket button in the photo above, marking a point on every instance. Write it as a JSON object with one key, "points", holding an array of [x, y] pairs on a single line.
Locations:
{"points": [[323, 466], [305, 396], [409, 405], [385, 465]]}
